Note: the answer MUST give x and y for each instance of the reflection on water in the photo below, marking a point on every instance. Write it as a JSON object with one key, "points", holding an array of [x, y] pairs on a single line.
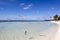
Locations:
{"points": [[27, 30]]}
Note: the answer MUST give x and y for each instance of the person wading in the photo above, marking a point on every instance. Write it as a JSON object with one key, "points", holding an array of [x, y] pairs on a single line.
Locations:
{"points": [[25, 32]]}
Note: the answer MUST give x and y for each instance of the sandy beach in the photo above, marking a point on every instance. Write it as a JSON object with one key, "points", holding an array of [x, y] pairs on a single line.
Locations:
{"points": [[57, 35], [35, 30]]}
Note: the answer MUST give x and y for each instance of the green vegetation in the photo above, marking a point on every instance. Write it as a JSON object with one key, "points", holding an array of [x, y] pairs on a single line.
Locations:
{"points": [[56, 18]]}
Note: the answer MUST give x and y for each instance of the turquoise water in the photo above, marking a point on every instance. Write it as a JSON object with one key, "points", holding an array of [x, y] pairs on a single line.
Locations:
{"points": [[35, 30]]}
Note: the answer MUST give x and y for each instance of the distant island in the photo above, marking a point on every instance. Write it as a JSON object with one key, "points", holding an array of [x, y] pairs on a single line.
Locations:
{"points": [[21, 20]]}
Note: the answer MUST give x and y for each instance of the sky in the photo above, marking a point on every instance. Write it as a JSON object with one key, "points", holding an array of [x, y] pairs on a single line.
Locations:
{"points": [[28, 9]]}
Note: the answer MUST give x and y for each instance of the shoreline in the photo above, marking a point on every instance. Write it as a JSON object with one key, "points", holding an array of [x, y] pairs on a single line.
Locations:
{"points": [[57, 35], [57, 22]]}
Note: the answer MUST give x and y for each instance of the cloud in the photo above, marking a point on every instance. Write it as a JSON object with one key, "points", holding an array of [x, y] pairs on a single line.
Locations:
{"points": [[27, 6]]}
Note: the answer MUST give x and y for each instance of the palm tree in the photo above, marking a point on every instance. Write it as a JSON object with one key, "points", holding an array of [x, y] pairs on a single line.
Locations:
{"points": [[59, 18], [56, 17]]}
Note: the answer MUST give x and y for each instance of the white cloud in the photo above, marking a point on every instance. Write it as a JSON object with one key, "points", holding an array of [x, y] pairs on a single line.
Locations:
{"points": [[27, 6]]}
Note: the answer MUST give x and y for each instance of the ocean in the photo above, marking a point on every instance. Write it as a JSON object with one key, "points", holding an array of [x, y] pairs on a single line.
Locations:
{"points": [[44, 30]]}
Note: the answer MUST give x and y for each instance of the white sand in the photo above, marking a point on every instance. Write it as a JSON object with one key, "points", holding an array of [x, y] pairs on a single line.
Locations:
{"points": [[16, 31], [57, 36]]}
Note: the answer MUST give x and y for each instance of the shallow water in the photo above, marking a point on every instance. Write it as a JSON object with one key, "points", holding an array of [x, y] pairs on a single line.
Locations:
{"points": [[35, 30]]}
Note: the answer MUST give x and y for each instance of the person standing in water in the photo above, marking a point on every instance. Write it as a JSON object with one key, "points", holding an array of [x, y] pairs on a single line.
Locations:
{"points": [[25, 32]]}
